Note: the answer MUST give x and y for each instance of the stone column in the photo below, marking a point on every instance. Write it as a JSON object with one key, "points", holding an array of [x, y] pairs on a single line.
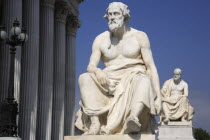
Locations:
{"points": [[59, 71], [71, 28], [29, 71], [11, 9], [45, 85], [0, 12]]}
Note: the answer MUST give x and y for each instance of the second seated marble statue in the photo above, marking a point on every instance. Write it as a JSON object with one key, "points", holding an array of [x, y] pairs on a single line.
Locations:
{"points": [[176, 106], [123, 97]]}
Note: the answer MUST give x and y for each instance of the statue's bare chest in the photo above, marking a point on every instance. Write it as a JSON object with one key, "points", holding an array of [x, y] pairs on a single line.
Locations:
{"points": [[179, 87], [128, 48]]}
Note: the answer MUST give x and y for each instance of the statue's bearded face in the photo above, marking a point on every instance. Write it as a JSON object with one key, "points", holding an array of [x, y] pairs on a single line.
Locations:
{"points": [[116, 18], [177, 76]]}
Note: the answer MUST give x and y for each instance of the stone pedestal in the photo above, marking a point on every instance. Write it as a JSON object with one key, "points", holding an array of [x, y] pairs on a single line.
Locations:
{"points": [[9, 138], [175, 132], [112, 137]]}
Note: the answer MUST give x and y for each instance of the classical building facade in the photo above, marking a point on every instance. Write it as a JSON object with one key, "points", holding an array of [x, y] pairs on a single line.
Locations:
{"points": [[44, 66]]}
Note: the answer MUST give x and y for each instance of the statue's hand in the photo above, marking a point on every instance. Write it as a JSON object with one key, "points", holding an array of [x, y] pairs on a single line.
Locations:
{"points": [[101, 77], [158, 105], [183, 95]]}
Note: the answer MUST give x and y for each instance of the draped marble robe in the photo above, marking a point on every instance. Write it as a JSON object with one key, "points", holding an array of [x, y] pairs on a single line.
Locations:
{"points": [[113, 103]]}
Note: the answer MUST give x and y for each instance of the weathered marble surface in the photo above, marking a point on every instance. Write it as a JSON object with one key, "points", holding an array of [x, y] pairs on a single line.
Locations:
{"points": [[125, 95], [176, 106], [174, 123], [112, 137], [172, 132]]}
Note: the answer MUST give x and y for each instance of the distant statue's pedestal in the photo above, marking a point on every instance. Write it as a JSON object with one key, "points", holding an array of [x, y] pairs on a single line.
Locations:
{"points": [[113, 137], [176, 131]]}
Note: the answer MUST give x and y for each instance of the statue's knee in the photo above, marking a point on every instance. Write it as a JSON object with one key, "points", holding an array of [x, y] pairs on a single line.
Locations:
{"points": [[185, 99], [83, 78], [145, 79], [143, 83]]}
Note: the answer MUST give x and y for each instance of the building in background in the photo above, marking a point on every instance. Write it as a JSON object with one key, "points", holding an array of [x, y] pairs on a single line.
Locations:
{"points": [[44, 66]]}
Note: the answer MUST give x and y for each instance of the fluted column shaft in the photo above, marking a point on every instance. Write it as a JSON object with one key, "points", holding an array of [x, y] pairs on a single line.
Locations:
{"points": [[59, 72], [11, 9], [71, 26], [0, 12], [45, 86], [29, 71]]}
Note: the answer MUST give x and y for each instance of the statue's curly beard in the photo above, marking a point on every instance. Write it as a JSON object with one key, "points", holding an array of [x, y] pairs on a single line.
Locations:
{"points": [[115, 24]]}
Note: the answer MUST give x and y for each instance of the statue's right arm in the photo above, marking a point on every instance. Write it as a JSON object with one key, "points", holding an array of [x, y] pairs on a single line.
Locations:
{"points": [[164, 90], [94, 60], [95, 56]]}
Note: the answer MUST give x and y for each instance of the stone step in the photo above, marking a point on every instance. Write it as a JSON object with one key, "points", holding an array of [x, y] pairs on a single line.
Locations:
{"points": [[113, 137]]}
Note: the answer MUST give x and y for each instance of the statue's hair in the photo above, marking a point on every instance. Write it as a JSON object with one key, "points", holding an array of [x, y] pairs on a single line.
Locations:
{"points": [[123, 7], [178, 70]]}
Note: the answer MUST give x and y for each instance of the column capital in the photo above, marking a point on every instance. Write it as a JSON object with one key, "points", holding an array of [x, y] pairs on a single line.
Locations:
{"points": [[72, 24], [80, 1], [48, 3], [61, 11]]}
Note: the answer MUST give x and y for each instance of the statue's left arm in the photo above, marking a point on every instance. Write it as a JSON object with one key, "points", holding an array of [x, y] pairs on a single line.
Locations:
{"points": [[186, 90], [151, 68]]}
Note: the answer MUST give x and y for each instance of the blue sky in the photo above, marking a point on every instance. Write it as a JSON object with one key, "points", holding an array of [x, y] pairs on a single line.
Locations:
{"points": [[179, 33]]}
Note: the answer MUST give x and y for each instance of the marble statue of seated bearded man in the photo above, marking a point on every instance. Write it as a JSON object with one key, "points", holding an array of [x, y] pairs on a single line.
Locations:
{"points": [[176, 106], [124, 96]]}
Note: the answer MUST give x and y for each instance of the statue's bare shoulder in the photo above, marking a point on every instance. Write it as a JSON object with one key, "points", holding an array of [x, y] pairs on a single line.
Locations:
{"points": [[101, 39], [167, 83], [141, 37], [184, 83], [103, 35]]}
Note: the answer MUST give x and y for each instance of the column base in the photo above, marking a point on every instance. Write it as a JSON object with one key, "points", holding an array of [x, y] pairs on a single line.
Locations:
{"points": [[175, 132], [9, 138], [113, 137]]}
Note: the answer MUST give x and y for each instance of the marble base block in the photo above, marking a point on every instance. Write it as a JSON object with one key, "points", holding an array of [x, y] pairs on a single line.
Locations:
{"points": [[112, 137], [9, 138], [175, 132]]}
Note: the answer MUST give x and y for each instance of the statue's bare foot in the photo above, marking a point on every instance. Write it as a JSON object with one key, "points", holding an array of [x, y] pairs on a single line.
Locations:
{"points": [[94, 129], [184, 120], [132, 125], [104, 131], [166, 120]]}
